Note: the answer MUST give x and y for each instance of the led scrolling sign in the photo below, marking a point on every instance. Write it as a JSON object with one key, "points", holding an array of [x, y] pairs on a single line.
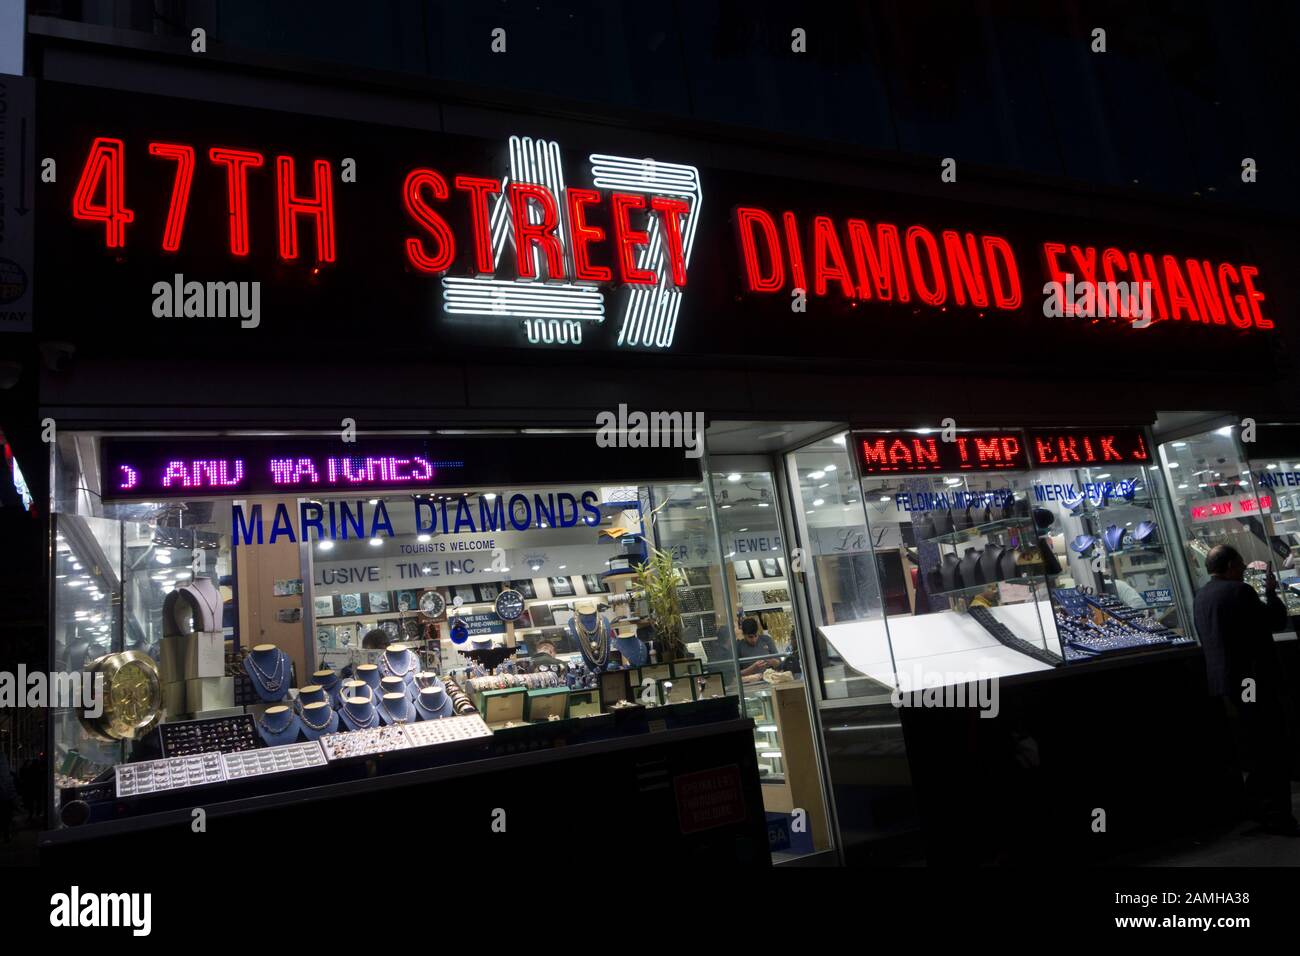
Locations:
{"points": [[990, 451]]}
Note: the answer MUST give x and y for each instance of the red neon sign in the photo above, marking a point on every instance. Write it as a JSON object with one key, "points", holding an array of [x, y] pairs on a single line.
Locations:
{"points": [[540, 233], [908, 453], [953, 267], [1075, 447]]}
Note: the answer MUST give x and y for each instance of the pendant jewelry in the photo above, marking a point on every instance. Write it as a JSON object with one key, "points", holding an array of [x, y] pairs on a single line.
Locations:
{"points": [[594, 652], [270, 683]]}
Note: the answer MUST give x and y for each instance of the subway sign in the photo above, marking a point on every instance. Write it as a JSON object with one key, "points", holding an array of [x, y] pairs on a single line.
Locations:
{"points": [[199, 222]]}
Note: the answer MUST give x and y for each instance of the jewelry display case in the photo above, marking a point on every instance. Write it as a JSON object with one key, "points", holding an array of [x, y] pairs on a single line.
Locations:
{"points": [[430, 668], [1006, 551]]}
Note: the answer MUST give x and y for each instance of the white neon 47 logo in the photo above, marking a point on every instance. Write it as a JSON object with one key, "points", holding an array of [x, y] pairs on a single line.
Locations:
{"points": [[555, 312]]}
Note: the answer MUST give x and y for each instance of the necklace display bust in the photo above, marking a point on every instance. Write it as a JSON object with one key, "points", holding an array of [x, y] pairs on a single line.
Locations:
{"points": [[432, 702], [269, 670], [359, 713], [328, 680], [317, 719], [591, 632], [278, 725], [396, 708]]}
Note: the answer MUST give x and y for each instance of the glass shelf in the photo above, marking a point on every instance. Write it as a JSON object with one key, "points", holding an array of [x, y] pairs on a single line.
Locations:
{"points": [[975, 588], [981, 530], [1116, 504]]}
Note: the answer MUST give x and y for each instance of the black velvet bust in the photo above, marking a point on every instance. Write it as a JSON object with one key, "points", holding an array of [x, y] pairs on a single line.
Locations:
{"points": [[969, 569], [990, 566], [948, 572]]}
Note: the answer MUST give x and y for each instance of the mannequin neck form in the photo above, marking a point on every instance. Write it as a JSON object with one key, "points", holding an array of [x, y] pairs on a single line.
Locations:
{"points": [[392, 685], [359, 712], [399, 661], [355, 688], [369, 673], [278, 725], [327, 679], [311, 694], [426, 678], [397, 709], [265, 654], [431, 702], [319, 718]]}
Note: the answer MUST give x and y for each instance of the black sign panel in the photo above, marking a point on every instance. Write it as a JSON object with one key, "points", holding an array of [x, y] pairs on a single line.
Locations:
{"points": [[150, 469], [194, 229], [1080, 447], [894, 453]]}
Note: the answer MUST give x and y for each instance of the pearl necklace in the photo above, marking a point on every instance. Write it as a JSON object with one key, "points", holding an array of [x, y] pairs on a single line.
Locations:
{"points": [[394, 672], [391, 716], [269, 683]]}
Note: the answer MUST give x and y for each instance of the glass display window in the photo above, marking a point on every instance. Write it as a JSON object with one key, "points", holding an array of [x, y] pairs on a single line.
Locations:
{"points": [[999, 552], [1222, 497], [255, 622], [1216, 501]]}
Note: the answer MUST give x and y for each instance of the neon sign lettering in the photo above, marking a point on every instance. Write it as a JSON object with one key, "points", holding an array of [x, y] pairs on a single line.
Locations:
{"points": [[1218, 509], [899, 452], [1075, 447], [274, 472]]}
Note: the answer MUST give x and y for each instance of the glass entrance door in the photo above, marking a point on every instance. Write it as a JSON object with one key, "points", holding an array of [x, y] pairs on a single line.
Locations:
{"points": [[761, 637]]}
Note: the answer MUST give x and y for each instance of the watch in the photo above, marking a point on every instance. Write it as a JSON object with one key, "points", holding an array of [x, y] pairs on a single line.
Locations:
{"points": [[432, 604], [509, 605], [132, 696]]}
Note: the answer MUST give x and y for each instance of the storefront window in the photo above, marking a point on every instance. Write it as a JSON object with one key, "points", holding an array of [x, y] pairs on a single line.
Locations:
{"points": [[1216, 501], [998, 552], [841, 575], [520, 598], [1278, 482]]}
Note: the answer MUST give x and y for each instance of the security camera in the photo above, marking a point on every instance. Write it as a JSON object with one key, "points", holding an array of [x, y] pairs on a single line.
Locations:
{"points": [[56, 354]]}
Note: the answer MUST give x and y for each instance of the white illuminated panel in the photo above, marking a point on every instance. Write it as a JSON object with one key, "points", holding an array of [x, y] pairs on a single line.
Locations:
{"points": [[531, 161], [650, 315], [650, 318]]}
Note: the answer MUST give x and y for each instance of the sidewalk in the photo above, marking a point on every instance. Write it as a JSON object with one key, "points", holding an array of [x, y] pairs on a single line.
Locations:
{"points": [[1243, 844]]}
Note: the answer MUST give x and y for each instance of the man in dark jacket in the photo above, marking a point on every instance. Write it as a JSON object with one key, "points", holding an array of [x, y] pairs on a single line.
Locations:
{"points": [[1241, 667]]}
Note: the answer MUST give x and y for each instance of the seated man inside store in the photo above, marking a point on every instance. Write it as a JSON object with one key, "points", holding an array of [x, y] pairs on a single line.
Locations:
{"points": [[543, 653], [756, 651]]}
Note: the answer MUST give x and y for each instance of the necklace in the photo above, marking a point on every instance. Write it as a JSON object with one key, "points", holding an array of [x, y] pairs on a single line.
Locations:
{"points": [[275, 731], [368, 722], [393, 717], [321, 726], [596, 655], [393, 671], [270, 683], [424, 708]]}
